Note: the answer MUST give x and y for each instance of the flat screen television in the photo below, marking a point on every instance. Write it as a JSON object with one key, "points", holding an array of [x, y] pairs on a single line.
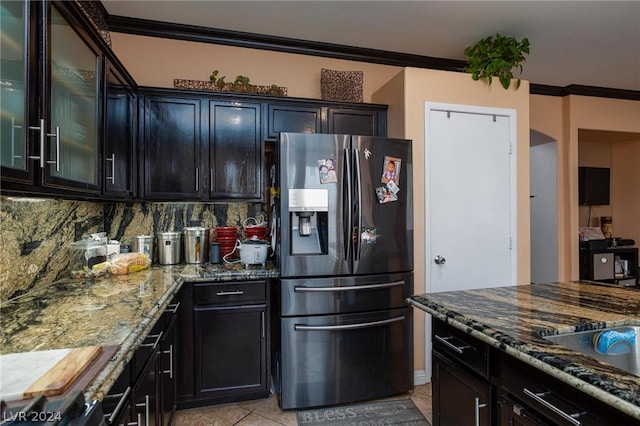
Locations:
{"points": [[593, 186]]}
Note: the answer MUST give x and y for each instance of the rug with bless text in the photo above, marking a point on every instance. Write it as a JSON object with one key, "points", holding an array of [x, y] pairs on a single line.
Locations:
{"points": [[400, 412]]}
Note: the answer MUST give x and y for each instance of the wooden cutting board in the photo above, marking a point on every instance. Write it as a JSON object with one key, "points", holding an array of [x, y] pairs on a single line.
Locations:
{"points": [[58, 378]]}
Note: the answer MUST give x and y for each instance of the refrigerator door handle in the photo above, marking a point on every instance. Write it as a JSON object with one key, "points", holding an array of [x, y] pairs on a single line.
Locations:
{"points": [[303, 327], [357, 208], [346, 205], [303, 289]]}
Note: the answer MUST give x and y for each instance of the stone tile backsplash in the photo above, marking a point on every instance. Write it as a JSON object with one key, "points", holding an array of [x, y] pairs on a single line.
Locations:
{"points": [[35, 233]]}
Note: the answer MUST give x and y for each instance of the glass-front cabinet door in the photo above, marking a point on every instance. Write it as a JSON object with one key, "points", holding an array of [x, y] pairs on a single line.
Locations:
{"points": [[50, 104], [74, 107], [15, 67]]}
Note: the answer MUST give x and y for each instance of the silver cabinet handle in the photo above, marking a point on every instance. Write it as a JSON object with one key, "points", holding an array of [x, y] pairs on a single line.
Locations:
{"points": [[145, 404], [211, 180], [170, 370], [439, 260], [42, 139], [303, 289], [57, 160], [538, 397], [230, 293], [14, 126], [302, 327], [112, 178], [477, 410], [43, 136], [146, 410], [172, 309], [123, 400], [154, 344], [197, 179], [445, 341]]}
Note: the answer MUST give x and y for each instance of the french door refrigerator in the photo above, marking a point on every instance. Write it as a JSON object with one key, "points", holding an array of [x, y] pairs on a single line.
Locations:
{"points": [[346, 265]]}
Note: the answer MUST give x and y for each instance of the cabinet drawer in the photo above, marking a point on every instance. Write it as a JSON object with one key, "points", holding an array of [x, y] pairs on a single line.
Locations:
{"points": [[553, 399], [460, 346], [230, 293]]}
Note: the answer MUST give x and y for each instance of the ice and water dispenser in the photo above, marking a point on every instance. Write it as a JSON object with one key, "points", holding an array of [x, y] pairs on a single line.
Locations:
{"points": [[309, 210]]}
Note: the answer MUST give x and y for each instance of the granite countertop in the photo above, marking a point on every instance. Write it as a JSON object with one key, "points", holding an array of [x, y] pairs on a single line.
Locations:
{"points": [[108, 311], [513, 319]]}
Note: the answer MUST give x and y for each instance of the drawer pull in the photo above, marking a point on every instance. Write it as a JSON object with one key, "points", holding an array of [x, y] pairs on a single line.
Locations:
{"points": [[124, 397], [154, 344], [538, 397], [230, 293], [477, 410], [172, 309], [445, 341]]}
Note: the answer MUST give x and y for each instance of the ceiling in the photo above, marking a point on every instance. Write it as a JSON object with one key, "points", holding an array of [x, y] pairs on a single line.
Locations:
{"points": [[592, 43]]}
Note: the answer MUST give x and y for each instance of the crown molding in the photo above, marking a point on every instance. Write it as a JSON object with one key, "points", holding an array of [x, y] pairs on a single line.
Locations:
{"points": [[199, 34]]}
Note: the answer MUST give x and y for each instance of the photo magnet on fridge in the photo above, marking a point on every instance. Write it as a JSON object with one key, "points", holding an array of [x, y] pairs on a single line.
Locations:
{"points": [[391, 170], [327, 170], [385, 195]]}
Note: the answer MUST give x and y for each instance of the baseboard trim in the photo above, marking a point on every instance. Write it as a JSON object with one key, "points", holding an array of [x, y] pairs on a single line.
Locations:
{"points": [[420, 377]]}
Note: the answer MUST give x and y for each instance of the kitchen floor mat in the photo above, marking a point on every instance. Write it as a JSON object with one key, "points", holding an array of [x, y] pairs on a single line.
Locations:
{"points": [[398, 412]]}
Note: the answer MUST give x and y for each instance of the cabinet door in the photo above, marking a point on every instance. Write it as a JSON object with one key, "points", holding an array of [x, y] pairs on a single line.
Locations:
{"points": [[292, 118], [236, 151], [171, 148], [231, 349], [459, 398], [120, 135], [73, 99], [145, 394], [17, 93], [355, 122], [168, 364]]}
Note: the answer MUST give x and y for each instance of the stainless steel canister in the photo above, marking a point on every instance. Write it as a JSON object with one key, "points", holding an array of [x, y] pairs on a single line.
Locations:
{"points": [[169, 248], [142, 244], [196, 243]]}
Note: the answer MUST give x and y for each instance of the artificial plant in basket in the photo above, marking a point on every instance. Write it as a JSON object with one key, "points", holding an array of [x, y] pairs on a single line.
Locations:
{"points": [[497, 57]]}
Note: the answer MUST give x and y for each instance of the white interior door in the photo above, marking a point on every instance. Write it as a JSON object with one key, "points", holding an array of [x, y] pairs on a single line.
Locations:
{"points": [[470, 197]]}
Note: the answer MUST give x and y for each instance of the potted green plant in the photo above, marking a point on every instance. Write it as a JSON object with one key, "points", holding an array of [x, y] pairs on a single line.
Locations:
{"points": [[497, 57]]}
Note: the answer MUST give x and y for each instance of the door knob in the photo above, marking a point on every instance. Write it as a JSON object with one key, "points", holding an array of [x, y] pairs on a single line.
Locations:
{"points": [[439, 260]]}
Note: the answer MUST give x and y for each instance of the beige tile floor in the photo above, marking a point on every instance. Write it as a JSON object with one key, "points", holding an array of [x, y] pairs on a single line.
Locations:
{"points": [[265, 412]]}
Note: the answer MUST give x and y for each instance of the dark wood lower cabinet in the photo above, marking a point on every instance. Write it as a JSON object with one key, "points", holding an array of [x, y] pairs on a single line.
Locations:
{"points": [[230, 350], [224, 343], [475, 384], [459, 398], [144, 394]]}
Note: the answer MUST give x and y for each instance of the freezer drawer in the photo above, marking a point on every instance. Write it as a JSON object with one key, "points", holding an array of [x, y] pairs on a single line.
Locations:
{"points": [[341, 295], [337, 359]]}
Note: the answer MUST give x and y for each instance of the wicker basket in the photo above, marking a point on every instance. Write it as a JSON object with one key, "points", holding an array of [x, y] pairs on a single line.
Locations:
{"points": [[341, 85], [229, 87]]}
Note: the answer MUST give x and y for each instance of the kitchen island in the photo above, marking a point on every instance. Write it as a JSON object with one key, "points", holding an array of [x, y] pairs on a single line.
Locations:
{"points": [[116, 311], [513, 321]]}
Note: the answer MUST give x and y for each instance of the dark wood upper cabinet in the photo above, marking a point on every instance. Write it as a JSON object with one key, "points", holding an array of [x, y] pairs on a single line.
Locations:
{"points": [[292, 118], [119, 159], [171, 148], [236, 151], [52, 115], [365, 122]]}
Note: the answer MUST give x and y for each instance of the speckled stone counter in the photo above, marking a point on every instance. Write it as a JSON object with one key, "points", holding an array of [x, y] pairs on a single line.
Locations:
{"points": [[115, 310], [513, 319]]}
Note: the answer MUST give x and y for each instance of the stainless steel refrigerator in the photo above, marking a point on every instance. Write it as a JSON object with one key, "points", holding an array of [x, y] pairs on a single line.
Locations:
{"points": [[346, 264]]}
